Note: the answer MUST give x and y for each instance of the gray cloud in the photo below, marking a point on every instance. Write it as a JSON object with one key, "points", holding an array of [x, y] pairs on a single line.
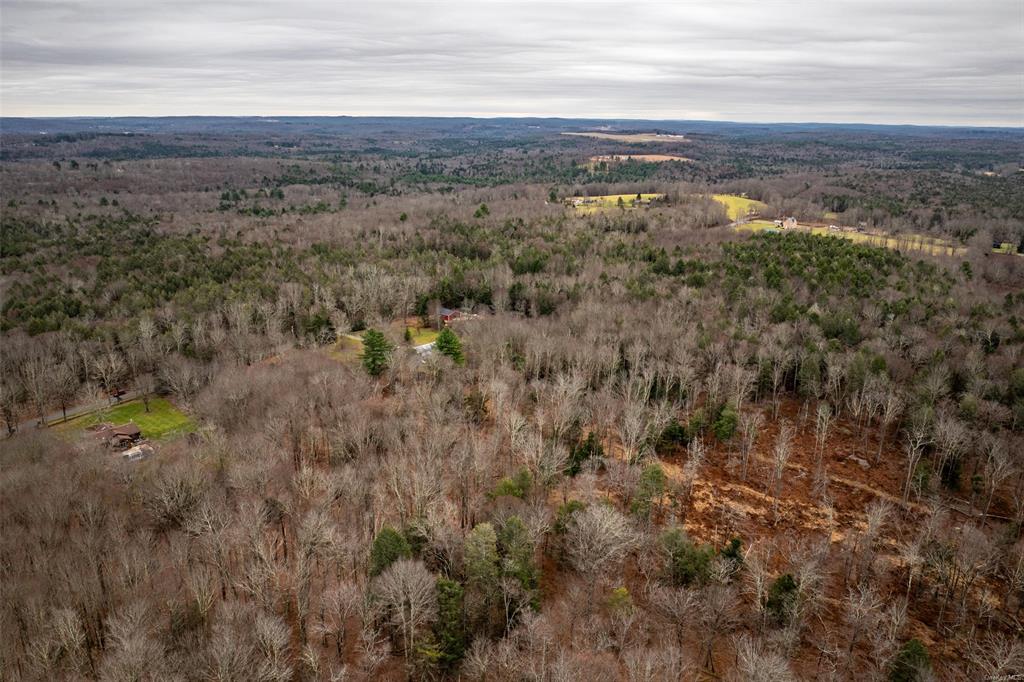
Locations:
{"points": [[902, 61]]}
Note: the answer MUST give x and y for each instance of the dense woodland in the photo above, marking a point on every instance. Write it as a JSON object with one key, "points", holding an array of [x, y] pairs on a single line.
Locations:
{"points": [[652, 447]]}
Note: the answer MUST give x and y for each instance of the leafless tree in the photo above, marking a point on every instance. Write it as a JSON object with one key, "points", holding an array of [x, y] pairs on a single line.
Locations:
{"points": [[37, 380], [998, 467], [750, 428], [676, 605], [780, 459], [756, 663], [598, 538], [918, 437], [822, 424], [406, 589], [998, 657], [890, 409], [717, 616], [109, 369]]}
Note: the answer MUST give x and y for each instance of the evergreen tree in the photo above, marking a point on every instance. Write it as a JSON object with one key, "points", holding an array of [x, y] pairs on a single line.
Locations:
{"points": [[650, 488], [687, 563], [517, 553], [450, 628], [782, 597], [480, 558], [911, 663], [582, 451], [376, 352], [388, 547], [448, 344]]}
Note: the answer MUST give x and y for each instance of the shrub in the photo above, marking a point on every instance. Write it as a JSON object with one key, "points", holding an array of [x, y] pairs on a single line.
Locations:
{"points": [[650, 488], [733, 551], [911, 663], [687, 563], [697, 424], [564, 513], [782, 599], [673, 436], [514, 486], [587, 448], [725, 426]]}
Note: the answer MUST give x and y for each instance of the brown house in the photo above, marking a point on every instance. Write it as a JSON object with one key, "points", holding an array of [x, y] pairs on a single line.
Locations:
{"points": [[119, 435]]}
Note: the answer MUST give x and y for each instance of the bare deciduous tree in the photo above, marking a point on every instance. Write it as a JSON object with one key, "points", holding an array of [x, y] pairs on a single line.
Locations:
{"points": [[406, 589]]}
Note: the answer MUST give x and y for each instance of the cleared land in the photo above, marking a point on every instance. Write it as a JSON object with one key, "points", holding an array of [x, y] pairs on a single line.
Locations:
{"points": [[349, 346], [645, 158], [632, 138], [163, 421], [738, 207], [903, 242], [612, 201]]}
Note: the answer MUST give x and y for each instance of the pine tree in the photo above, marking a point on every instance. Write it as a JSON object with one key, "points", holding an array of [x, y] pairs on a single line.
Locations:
{"points": [[388, 547], [448, 344], [450, 628], [481, 562], [376, 352]]}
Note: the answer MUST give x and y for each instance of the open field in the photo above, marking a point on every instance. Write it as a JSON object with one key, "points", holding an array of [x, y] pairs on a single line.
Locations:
{"points": [[422, 335], [904, 242], [349, 346], [612, 201], [737, 206], [631, 138], [163, 421], [645, 158]]}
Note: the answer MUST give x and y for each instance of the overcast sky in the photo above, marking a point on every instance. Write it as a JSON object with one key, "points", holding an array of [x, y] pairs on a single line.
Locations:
{"points": [[892, 61]]}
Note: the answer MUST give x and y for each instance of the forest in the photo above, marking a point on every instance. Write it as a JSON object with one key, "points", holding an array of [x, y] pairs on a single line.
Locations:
{"points": [[407, 413]]}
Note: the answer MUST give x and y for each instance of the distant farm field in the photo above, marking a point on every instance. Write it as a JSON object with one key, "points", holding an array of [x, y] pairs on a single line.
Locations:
{"points": [[644, 158], [903, 242], [612, 201], [736, 206], [162, 421], [633, 138]]}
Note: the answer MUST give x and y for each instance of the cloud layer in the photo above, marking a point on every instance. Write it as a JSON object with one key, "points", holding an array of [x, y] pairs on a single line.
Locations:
{"points": [[901, 61]]}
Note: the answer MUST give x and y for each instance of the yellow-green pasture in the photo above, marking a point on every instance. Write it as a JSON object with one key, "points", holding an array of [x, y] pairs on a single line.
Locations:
{"points": [[607, 202], [902, 242], [738, 207]]}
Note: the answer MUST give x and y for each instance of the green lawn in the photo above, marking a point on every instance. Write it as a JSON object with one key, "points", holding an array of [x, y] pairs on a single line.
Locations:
{"points": [[422, 335], [163, 420]]}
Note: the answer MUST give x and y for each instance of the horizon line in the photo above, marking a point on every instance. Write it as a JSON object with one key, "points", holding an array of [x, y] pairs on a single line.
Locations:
{"points": [[74, 117]]}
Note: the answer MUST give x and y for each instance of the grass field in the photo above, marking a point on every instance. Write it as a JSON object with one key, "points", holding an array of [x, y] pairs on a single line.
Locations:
{"points": [[905, 242], [349, 346], [634, 138], [736, 206], [607, 202], [422, 335], [163, 420]]}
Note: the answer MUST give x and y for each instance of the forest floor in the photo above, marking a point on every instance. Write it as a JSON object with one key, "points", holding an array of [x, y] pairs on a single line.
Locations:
{"points": [[722, 505]]}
